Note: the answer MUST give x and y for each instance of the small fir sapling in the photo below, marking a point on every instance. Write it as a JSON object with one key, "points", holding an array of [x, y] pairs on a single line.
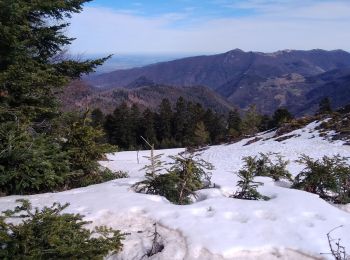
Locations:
{"points": [[247, 185], [153, 178], [192, 173], [187, 174]]}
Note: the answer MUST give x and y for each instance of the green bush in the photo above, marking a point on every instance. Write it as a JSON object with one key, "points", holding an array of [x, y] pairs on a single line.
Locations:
{"points": [[49, 234], [33, 70], [329, 178], [30, 163], [264, 166], [164, 185], [67, 157], [186, 175], [82, 141], [247, 185]]}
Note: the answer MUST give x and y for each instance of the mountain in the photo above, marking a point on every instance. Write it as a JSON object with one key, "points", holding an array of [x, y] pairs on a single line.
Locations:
{"points": [[142, 92], [334, 84], [269, 80]]}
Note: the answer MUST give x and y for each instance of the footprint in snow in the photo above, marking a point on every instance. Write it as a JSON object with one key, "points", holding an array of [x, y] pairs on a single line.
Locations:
{"points": [[236, 217], [263, 214], [313, 215]]}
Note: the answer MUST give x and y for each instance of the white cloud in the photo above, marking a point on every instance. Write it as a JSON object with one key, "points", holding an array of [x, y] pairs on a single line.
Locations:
{"points": [[324, 25]]}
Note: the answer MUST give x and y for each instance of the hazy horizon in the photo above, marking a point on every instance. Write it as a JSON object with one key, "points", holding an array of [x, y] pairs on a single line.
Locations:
{"points": [[132, 60], [210, 26]]}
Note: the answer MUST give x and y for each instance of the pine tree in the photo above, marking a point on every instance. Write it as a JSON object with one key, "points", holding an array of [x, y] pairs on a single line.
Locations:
{"points": [[201, 135], [135, 127], [251, 121], [328, 177], [50, 234], [281, 116], [192, 175], [148, 127], [82, 142], [180, 120], [266, 123], [30, 68], [187, 174], [324, 106], [33, 68], [118, 126], [247, 185], [152, 170], [164, 121], [97, 118], [234, 122]]}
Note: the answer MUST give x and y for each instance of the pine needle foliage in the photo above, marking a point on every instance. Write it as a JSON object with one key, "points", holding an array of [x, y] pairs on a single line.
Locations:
{"points": [[82, 141], [154, 182], [34, 67], [246, 184], [192, 175], [187, 174], [275, 169], [50, 234], [328, 177], [30, 163]]}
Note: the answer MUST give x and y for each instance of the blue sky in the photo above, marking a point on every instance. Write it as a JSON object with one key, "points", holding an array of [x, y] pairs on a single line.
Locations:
{"points": [[210, 26], [154, 8]]}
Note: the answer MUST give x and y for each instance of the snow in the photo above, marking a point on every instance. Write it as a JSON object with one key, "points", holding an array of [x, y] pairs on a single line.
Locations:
{"points": [[292, 225]]}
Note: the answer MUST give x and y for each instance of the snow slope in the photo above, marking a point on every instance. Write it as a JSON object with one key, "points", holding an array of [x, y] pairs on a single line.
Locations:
{"points": [[292, 225]]}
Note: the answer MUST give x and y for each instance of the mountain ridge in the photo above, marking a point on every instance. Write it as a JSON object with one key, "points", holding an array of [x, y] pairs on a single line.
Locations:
{"points": [[269, 80]]}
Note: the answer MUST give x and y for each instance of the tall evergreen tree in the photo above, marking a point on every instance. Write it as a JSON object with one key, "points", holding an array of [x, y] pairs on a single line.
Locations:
{"points": [[234, 122], [117, 127], [180, 120], [324, 106], [97, 118], [281, 116], [135, 126], [33, 68], [164, 122], [201, 135], [251, 121], [148, 127]]}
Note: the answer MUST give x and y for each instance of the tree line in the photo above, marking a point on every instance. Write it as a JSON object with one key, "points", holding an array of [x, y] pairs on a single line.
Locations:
{"points": [[185, 124]]}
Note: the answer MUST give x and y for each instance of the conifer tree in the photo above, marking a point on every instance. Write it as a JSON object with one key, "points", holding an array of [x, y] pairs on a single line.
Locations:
{"points": [[201, 135], [192, 175], [281, 116], [324, 106], [234, 122], [29, 46], [135, 127], [266, 123], [50, 234], [97, 118], [246, 184], [188, 173], [148, 127], [180, 120], [251, 121], [33, 68], [117, 127], [164, 121]]}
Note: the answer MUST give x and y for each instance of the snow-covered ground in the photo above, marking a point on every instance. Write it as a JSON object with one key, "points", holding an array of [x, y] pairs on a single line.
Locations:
{"points": [[292, 225]]}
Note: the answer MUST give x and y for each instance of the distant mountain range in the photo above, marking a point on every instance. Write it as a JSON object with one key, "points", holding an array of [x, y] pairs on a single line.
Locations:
{"points": [[79, 95], [291, 78]]}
